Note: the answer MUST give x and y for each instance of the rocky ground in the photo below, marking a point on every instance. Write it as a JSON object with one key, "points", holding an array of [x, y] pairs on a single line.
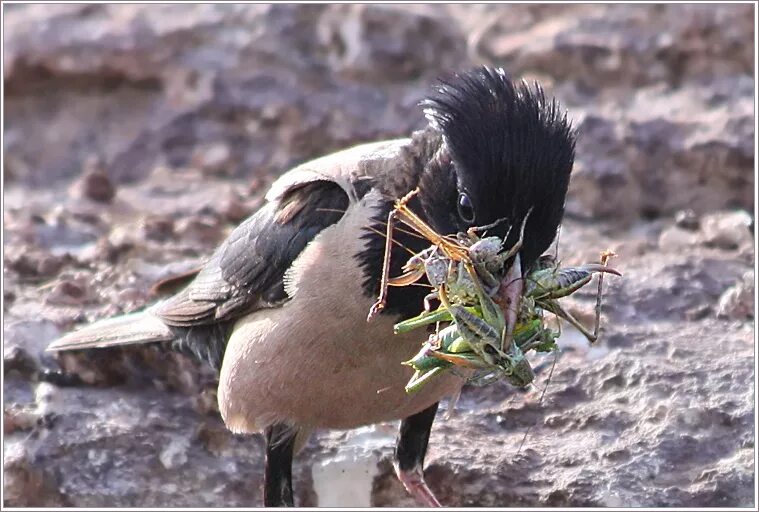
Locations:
{"points": [[137, 136]]}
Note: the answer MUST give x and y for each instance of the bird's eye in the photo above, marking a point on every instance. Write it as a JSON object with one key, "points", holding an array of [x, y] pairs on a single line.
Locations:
{"points": [[490, 350], [466, 210]]}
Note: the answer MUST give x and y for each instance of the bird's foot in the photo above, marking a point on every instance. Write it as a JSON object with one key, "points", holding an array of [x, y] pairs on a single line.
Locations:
{"points": [[414, 483]]}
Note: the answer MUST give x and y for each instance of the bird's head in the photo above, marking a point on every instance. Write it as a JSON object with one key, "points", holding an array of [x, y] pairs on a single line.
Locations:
{"points": [[505, 150], [494, 150]]}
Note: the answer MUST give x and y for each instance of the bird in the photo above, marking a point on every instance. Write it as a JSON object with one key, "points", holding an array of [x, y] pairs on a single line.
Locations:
{"points": [[280, 308]]}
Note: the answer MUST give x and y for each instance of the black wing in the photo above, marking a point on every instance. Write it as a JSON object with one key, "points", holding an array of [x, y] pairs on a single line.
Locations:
{"points": [[246, 272]]}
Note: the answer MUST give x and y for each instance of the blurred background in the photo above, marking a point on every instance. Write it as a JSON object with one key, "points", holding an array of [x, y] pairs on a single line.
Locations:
{"points": [[137, 136]]}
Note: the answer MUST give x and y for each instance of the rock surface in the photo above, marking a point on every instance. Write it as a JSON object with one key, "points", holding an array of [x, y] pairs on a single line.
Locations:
{"points": [[190, 111]]}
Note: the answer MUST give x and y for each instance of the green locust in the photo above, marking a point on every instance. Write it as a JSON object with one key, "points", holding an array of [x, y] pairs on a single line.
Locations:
{"points": [[475, 337], [549, 282], [470, 341]]}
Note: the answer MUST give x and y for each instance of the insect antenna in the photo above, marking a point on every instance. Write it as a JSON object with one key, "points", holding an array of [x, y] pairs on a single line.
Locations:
{"points": [[542, 395], [393, 240], [556, 244], [334, 210], [478, 229], [423, 285], [412, 233], [384, 223]]}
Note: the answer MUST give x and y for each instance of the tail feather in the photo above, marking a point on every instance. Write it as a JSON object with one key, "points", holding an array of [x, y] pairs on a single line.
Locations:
{"points": [[130, 329]]}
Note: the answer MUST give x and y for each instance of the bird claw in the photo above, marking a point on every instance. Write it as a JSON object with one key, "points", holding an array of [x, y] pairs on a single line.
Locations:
{"points": [[414, 483]]}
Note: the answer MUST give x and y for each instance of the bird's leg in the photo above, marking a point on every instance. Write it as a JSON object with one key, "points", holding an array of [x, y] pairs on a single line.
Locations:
{"points": [[278, 482], [409, 455]]}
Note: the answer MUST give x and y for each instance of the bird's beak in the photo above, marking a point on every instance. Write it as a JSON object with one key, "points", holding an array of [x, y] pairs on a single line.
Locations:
{"points": [[508, 297]]}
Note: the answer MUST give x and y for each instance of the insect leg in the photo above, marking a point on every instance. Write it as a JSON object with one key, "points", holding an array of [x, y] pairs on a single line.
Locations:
{"points": [[556, 309], [504, 257], [420, 378], [407, 278], [605, 256], [380, 304], [439, 315], [542, 395]]}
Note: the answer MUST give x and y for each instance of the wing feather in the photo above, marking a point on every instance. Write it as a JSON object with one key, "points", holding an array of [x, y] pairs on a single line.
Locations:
{"points": [[247, 271]]}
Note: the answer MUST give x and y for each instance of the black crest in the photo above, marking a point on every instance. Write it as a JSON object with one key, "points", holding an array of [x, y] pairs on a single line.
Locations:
{"points": [[512, 150]]}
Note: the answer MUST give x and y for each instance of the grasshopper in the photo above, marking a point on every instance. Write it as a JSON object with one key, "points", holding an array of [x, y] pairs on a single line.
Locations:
{"points": [[455, 345], [473, 340], [463, 272], [545, 285], [469, 342], [455, 268], [478, 259], [548, 283]]}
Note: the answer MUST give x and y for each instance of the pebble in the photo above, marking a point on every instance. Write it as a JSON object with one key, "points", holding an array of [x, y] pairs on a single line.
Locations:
{"points": [[95, 183], [205, 403], [214, 158], [687, 219], [23, 481], [49, 265], [675, 238], [19, 418], [256, 185], [131, 298], [727, 230], [48, 399], [32, 262], [22, 264], [174, 455], [737, 302], [18, 359], [213, 438], [110, 249], [204, 229], [234, 210], [157, 227], [68, 293], [8, 296]]}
